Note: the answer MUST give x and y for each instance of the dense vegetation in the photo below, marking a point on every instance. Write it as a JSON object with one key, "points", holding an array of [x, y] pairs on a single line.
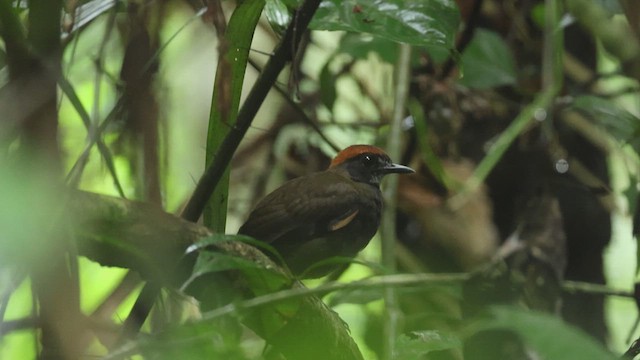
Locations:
{"points": [[135, 135]]}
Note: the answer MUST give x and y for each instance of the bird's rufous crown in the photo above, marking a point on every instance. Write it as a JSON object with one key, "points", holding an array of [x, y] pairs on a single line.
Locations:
{"points": [[353, 151]]}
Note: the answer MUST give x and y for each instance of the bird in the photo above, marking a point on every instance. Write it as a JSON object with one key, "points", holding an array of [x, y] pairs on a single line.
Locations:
{"points": [[325, 214]]}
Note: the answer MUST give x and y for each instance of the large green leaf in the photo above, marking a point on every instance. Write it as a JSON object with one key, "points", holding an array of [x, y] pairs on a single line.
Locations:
{"points": [[428, 155], [415, 22], [226, 99], [550, 337], [487, 62]]}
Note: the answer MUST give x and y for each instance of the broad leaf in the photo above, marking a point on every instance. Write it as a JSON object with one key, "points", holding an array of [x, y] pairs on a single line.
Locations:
{"points": [[547, 335], [620, 123], [487, 62], [328, 91], [261, 279], [415, 22]]}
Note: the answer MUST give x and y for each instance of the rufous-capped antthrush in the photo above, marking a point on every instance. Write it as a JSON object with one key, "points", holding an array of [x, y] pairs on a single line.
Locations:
{"points": [[325, 214]]}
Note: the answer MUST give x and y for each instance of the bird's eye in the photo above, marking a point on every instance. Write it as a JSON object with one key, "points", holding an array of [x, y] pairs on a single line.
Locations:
{"points": [[368, 161]]}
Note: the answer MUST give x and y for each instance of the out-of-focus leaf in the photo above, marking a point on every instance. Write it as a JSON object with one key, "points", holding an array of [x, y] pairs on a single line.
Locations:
{"points": [[366, 295], [620, 123], [538, 17], [487, 62], [200, 340], [328, 92], [611, 6], [3, 58], [415, 22], [359, 46], [356, 296], [419, 343], [428, 155], [29, 210], [277, 14], [547, 335]]}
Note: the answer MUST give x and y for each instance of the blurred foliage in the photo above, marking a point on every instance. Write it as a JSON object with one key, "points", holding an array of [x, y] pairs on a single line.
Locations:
{"points": [[487, 62], [139, 85]]}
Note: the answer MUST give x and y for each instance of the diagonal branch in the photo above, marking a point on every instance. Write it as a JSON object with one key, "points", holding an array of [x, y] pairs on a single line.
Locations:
{"points": [[141, 237], [276, 63]]}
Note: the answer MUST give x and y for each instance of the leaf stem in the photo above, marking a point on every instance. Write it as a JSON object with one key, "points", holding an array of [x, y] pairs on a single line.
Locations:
{"points": [[388, 226]]}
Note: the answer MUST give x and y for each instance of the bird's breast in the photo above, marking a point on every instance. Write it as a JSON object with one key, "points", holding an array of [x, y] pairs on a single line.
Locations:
{"points": [[356, 235]]}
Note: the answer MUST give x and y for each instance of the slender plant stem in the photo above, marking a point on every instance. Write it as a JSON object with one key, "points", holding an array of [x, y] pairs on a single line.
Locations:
{"points": [[388, 226], [395, 280], [573, 287], [502, 143], [385, 281], [552, 67], [537, 110]]}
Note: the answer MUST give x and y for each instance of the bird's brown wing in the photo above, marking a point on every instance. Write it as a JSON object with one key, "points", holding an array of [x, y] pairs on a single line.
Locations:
{"points": [[294, 208]]}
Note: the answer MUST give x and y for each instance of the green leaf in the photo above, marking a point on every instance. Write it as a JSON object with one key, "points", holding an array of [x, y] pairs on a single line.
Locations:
{"points": [[419, 343], [415, 22], [359, 46], [226, 99], [620, 123], [199, 340], [549, 336], [428, 155], [278, 15], [328, 92], [211, 261], [487, 62]]}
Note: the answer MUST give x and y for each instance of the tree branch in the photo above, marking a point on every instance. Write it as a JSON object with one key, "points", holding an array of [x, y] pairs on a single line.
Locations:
{"points": [[141, 237]]}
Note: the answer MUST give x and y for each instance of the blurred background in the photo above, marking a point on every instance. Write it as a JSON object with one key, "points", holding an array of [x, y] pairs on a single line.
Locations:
{"points": [[554, 202]]}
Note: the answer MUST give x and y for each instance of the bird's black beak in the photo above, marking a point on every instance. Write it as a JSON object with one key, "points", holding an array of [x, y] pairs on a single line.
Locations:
{"points": [[397, 169]]}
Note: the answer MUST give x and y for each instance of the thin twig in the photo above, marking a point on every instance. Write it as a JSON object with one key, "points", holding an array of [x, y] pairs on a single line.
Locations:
{"points": [[576, 287], [521, 123], [395, 280]]}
